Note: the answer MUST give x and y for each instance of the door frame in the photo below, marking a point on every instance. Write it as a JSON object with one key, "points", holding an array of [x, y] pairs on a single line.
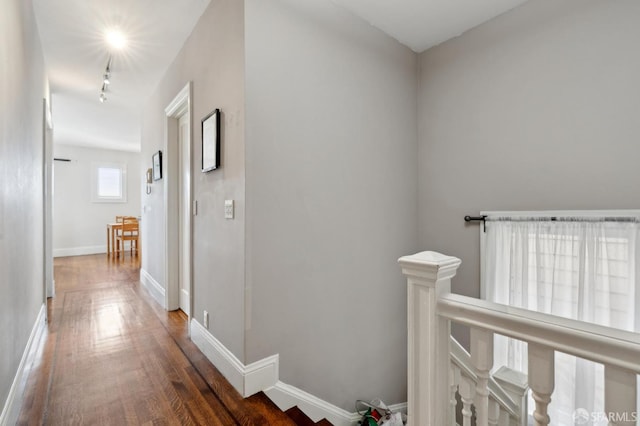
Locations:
{"points": [[47, 199], [180, 105]]}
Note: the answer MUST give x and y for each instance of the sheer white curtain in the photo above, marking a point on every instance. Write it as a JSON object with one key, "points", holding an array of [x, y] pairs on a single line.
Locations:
{"points": [[583, 269]]}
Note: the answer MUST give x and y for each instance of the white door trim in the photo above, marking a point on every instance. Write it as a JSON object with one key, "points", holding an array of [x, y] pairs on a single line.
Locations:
{"points": [[180, 104], [184, 210], [47, 199]]}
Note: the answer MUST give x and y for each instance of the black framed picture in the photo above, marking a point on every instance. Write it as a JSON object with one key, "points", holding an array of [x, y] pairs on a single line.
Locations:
{"points": [[211, 141], [157, 165]]}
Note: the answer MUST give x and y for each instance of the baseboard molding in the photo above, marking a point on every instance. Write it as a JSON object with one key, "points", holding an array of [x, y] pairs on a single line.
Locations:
{"points": [[246, 379], [263, 376], [79, 251], [287, 396], [11, 409], [153, 287]]}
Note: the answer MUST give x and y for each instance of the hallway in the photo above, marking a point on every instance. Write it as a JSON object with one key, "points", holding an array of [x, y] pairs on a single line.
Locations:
{"points": [[113, 356]]}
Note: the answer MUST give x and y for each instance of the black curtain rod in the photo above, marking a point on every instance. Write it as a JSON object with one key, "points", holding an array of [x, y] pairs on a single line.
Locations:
{"points": [[485, 218], [475, 218], [482, 219]]}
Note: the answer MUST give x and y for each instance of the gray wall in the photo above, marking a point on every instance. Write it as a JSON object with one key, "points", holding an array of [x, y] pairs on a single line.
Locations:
{"points": [[22, 87], [213, 59], [331, 199], [535, 110], [78, 223]]}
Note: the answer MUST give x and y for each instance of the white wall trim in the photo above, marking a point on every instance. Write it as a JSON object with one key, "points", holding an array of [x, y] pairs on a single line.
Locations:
{"points": [[176, 108], [263, 375], [246, 379], [287, 396], [79, 251], [13, 404], [153, 286]]}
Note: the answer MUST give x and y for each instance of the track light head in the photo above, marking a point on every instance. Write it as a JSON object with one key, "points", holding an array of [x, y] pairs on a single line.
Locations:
{"points": [[106, 80]]}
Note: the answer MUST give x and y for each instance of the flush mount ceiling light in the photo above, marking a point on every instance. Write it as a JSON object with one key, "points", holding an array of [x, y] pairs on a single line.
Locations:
{"points": [[116, 39]]}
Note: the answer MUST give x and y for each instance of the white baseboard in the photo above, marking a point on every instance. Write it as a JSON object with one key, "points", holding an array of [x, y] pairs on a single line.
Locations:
{"points": [[246, 379], [153, 286], [11, 409], [185, 301], [79, 251], [263, 376], [287, 396]]}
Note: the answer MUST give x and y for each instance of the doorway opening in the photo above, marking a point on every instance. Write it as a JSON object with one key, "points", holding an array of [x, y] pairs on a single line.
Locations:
{"points": [[178, 202]]}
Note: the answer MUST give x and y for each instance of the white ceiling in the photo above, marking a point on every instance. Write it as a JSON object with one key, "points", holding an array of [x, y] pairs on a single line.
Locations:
{"points": [[421, 24], [76, 53]]}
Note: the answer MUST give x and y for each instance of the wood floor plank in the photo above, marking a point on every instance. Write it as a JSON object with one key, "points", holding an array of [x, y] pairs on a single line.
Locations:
{"points": [[111, 355]]}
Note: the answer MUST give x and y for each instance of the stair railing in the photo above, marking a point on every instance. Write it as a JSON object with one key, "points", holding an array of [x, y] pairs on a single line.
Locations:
{"points": [[432, 307], [507, 391]]}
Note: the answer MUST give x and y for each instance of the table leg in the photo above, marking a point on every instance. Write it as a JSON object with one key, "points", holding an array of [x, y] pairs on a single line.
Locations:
{"points": [[108, 242], [113, 241]]}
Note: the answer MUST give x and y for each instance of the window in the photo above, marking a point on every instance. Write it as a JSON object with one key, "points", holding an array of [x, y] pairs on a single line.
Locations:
{"points": [[109, 183], [578, 267]]}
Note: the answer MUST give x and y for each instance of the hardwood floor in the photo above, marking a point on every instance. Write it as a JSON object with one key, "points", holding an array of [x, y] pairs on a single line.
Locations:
{"points": [[112, 356]]}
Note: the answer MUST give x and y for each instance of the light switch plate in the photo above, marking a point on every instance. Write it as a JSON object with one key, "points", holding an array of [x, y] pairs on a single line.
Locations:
{"points": [[228, 209]]}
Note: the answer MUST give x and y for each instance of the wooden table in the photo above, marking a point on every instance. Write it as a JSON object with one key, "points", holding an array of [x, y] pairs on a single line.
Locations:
{"points": [[112, 228]]}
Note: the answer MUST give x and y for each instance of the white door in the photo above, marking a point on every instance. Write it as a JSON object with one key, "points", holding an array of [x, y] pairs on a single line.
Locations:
{"points": [[184, 231]]}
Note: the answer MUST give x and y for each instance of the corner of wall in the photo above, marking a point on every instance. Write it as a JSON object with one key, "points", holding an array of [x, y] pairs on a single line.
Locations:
{"points": [[11, 410]]}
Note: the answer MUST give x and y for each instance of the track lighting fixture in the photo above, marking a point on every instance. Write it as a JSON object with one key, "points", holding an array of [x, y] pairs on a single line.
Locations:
{"points": [[106, 80], [103, 97]]}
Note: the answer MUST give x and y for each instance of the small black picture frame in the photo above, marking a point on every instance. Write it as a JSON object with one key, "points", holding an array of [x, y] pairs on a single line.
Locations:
{"points": [[157, 165], [211, 141]]}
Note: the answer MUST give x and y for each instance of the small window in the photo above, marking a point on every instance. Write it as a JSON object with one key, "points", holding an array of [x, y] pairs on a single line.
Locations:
{"points": [[109, 183]]}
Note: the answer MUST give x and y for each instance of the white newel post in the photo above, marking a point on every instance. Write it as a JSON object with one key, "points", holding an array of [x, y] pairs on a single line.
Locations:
{"points": [[428, 277]]}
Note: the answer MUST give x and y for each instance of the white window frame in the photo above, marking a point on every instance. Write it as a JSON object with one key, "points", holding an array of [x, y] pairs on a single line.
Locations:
{"points": [[95, 197]]}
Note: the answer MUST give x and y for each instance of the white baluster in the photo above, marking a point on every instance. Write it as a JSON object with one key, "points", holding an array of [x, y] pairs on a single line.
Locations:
{"points": [[467, 391], [493, 414], [620, 393], [454, 381], [505, 418], [429, 276], [541, 382], [515, 384], [482, 360]]}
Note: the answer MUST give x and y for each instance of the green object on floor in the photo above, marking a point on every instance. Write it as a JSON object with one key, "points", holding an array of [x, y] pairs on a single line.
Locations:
{"points": [[368, 419]]}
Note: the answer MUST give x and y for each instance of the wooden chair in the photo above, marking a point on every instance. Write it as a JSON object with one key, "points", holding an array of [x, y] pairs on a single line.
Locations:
{"points": [[129, 232], [120, 219]]}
